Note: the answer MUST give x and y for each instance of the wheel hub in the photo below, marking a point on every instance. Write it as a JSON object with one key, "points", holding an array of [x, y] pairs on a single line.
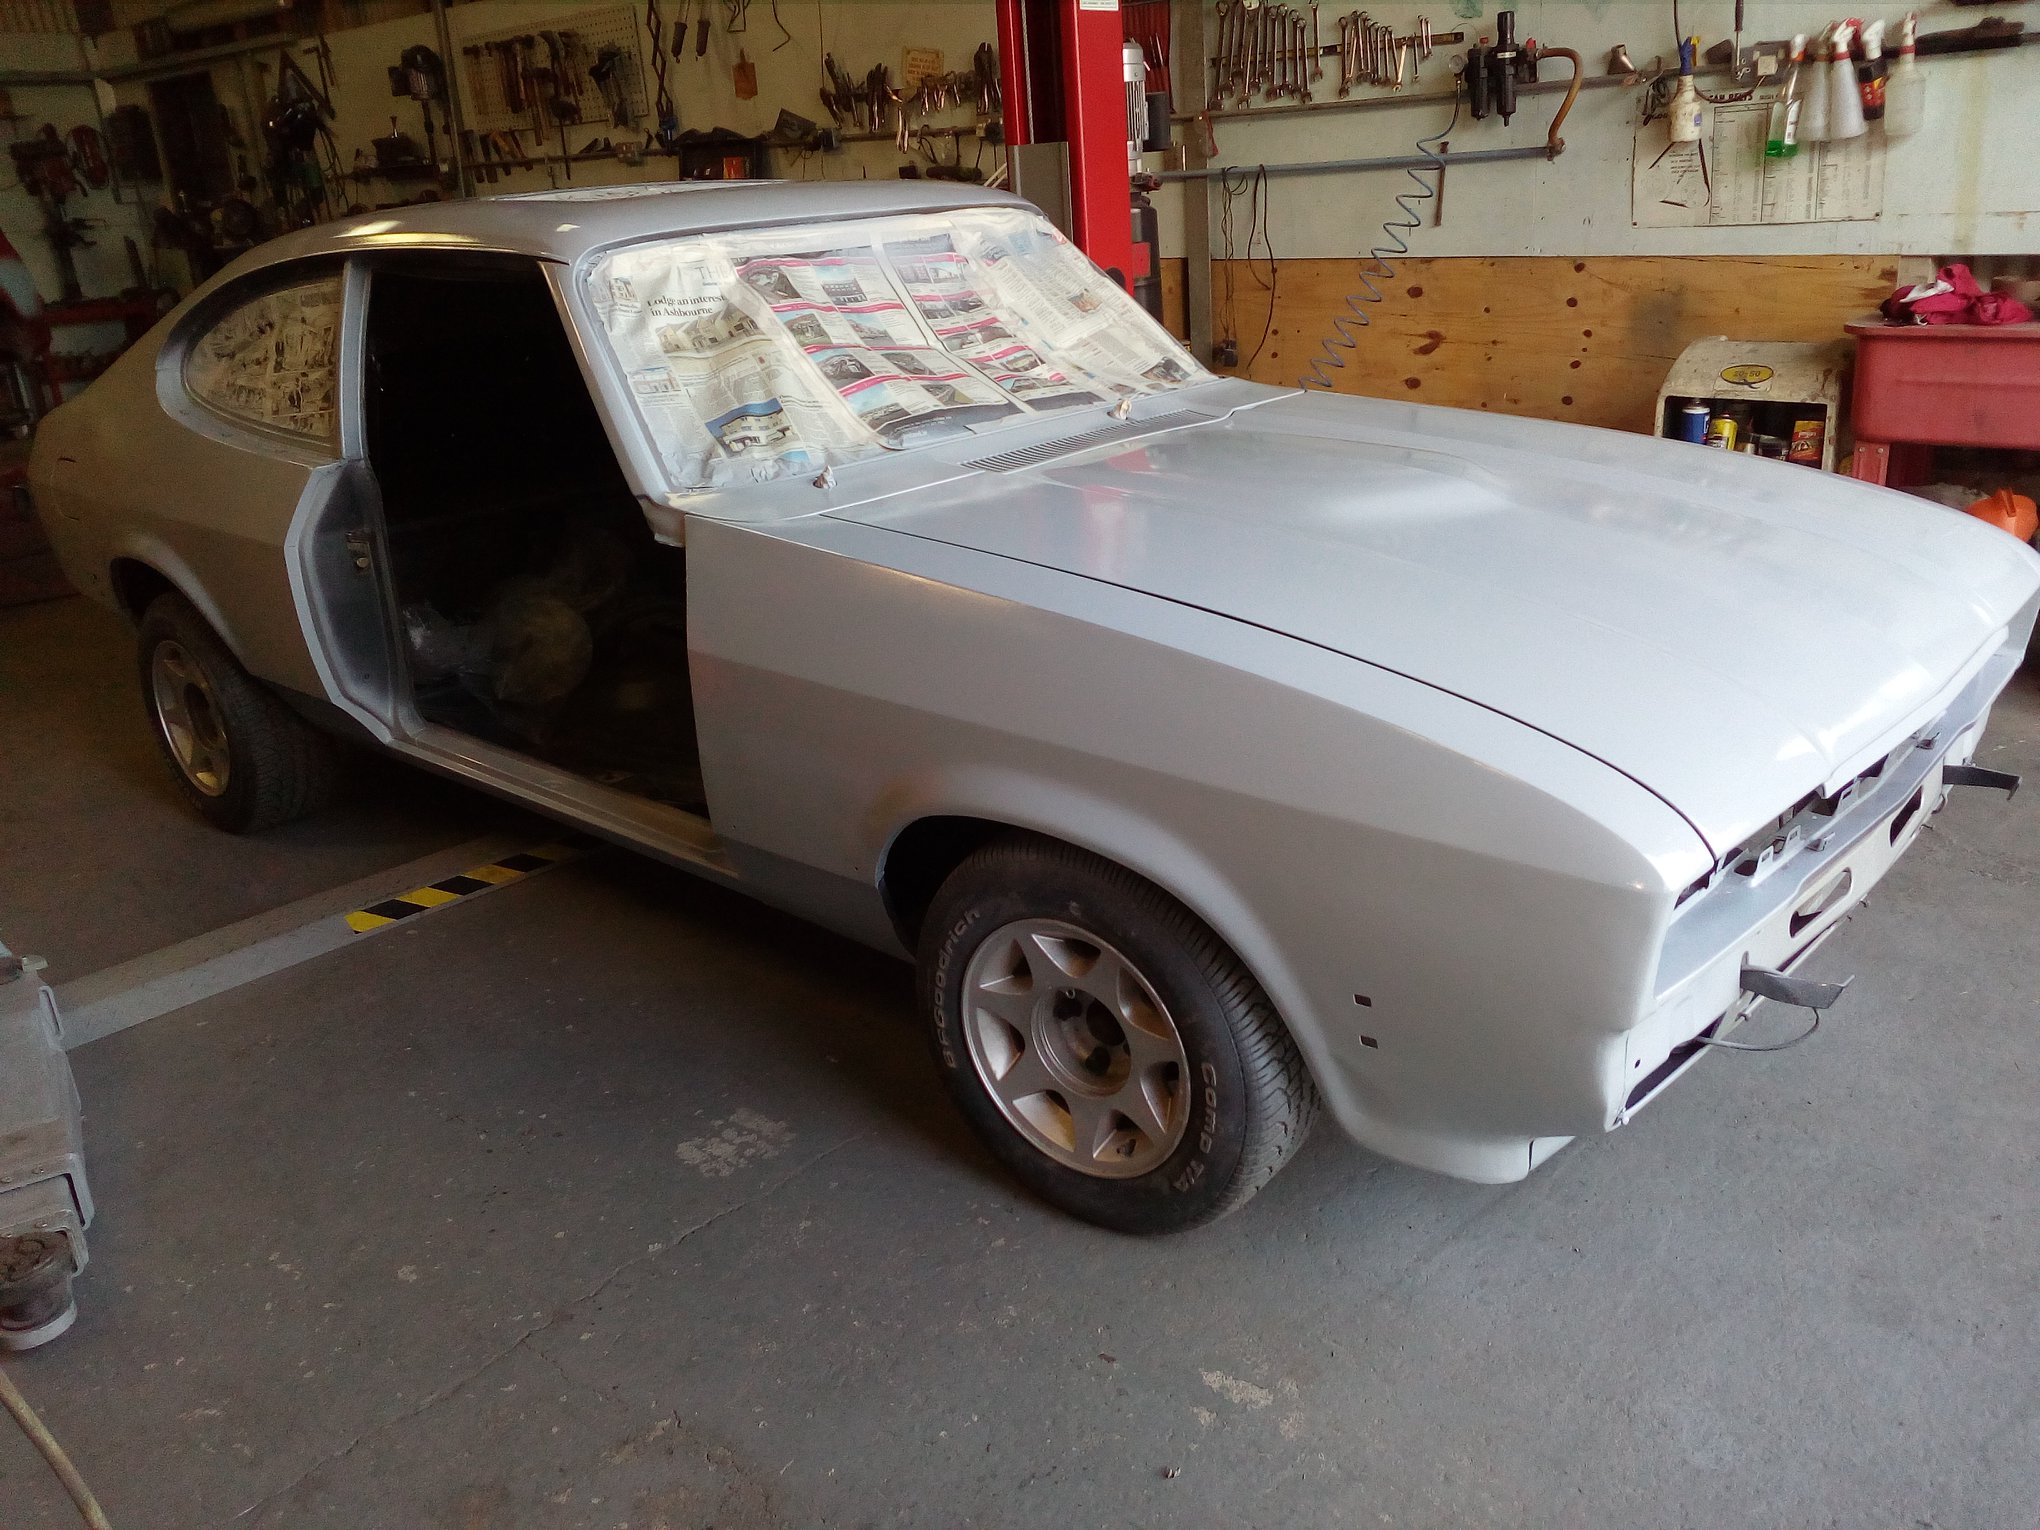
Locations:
{"points": [[1076, 1048], [188, 714]]}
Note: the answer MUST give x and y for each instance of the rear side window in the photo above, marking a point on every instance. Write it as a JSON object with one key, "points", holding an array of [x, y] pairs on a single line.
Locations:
{"points": [[274, 361]]}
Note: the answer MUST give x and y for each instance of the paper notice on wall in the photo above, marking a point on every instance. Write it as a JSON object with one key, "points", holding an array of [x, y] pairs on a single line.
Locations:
{"points": [[1725, 180]]}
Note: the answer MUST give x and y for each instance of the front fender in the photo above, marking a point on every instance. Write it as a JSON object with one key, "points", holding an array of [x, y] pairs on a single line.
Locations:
{"points": [[1455, 915], [1122, 832]]}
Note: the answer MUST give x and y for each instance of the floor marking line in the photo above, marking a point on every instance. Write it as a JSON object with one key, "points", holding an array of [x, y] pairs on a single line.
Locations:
{"points": [[132, 992], [428, 897], [497, 873]]}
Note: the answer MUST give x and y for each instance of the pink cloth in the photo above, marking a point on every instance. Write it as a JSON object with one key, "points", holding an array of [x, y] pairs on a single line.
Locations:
{"points": [[1954, 298]]}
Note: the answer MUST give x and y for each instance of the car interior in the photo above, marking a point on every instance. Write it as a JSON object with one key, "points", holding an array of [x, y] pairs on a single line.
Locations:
{"points": [[534, 607]]}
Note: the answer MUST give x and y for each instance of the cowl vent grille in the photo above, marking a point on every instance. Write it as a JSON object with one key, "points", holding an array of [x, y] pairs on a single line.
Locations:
{"points": [[1028, 456]]}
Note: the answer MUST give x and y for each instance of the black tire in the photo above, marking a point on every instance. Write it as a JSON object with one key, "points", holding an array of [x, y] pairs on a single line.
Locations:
{"points": [[279, 768], [1250, 1102]]}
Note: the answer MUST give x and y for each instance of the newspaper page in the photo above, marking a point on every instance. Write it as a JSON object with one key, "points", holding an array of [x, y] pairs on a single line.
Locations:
{"points": [[721, 396], [844, 306], [972, 326], [275, 361], [1080, 315]]}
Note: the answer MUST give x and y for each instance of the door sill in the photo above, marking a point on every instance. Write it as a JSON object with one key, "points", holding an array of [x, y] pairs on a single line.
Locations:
{"points": [[656, 828]]}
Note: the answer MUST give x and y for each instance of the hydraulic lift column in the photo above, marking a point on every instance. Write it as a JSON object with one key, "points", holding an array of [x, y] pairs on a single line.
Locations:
{"points": [[1066, 82]]}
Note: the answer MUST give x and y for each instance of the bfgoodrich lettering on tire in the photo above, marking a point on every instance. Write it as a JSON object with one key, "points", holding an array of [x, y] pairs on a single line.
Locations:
{"points": [[1103, 1042]]}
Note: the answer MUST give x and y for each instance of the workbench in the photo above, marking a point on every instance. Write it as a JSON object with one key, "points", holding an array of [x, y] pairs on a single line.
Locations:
{"points": [[1919, 386]]}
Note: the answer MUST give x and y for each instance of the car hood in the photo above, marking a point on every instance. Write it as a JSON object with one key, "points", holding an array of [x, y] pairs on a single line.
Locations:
{"points": [[1730, 633]]}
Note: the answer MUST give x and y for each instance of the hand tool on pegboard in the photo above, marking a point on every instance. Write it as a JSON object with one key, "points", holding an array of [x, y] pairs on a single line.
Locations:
{"points": [[1147, 22]]}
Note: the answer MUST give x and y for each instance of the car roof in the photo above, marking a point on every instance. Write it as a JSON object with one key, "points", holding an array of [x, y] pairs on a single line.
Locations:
{"points": [[564, 224]]}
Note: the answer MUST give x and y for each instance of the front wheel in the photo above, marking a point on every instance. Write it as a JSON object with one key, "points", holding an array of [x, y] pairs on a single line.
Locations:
{"points": [[1104, 1043]]}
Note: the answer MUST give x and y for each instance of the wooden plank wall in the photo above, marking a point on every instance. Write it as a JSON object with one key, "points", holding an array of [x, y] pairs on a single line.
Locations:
{"points": [[1585, 340]]}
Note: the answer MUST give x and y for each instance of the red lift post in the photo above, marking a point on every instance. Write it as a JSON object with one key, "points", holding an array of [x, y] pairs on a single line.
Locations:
{"points": [[1064, 81]]}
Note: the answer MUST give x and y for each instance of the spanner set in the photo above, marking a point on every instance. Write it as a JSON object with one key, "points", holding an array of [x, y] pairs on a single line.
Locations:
{"points": [[1278, 52]]}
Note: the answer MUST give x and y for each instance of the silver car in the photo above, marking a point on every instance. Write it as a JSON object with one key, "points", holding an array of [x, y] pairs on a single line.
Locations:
{"points": [[1217, 750]]}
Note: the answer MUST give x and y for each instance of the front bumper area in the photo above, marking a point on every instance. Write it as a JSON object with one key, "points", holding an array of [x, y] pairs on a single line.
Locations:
{"points": [[1773, 910]]}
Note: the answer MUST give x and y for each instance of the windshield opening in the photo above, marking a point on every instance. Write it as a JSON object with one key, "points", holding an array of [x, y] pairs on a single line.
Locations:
{"points": [[754, 354]]}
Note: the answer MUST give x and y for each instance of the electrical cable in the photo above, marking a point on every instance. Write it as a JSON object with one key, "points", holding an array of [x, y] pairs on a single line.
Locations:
{"points": [[1257, 220], [40, 1437], [1226, 302], [1746, 1046], [1235, 182], [1346, 326]]}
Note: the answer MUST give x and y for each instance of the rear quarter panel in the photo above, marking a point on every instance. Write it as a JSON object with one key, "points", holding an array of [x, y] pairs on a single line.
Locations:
{"points": [[117, 475], [1497, 896]]}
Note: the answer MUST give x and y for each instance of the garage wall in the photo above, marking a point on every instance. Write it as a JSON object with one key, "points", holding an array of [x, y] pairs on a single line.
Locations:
{"points": [[789, 71], [789, 75], [102, 269], [1968, 182], [1586, 340], [1535, 293], [1494, 310]]}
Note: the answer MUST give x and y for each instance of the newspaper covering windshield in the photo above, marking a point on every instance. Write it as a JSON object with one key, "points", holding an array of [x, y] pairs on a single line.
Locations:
{"points": [[752, 355]]}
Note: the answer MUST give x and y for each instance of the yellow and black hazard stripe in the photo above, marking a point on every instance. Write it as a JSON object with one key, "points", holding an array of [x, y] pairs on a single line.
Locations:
{"points": [[510, 868]]}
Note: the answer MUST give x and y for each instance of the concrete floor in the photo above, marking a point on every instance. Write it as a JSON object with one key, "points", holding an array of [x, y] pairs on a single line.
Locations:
{"points": [[113, 864], [612, 1200]]}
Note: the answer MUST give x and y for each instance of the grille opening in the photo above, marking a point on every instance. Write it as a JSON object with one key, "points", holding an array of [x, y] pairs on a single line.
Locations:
{"points": [[1822, 901], [1676, 1059], [1906, 813]]}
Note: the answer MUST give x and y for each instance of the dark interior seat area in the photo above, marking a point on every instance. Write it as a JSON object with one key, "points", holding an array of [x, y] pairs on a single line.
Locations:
{"points": [[535, 607]]}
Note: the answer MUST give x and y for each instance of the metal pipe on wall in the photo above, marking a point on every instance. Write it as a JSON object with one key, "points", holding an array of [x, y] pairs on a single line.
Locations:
{"points": [[1409, 98], [1379, 162]]}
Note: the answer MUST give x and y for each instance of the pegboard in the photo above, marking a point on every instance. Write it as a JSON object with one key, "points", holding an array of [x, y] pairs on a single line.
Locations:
{"points": [[566, 91]]}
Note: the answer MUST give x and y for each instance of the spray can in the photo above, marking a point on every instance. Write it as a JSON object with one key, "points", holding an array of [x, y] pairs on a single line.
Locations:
{"points": [[1813, 111], [1905, 89], [1685, 113], [1781, 139], [1845, 98], [1808, 441], [1871, 71], [1691, 422]]}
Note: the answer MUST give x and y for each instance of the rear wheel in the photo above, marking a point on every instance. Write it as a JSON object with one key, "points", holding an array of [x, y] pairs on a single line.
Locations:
{"points": [[1104, 1043], [243, 759]]}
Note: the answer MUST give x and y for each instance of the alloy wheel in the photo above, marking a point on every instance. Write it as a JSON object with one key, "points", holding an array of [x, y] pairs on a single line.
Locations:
{"points": [[188, 713], [1076, 1048]]}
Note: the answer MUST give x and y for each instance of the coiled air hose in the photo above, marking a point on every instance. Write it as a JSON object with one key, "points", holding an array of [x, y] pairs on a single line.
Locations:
{"points": [[1376, 267]]}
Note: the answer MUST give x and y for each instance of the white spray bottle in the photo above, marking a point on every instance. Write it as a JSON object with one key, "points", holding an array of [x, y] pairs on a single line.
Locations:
{"points": [[1813, 111], [1845, 97], [1905, 88]]}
